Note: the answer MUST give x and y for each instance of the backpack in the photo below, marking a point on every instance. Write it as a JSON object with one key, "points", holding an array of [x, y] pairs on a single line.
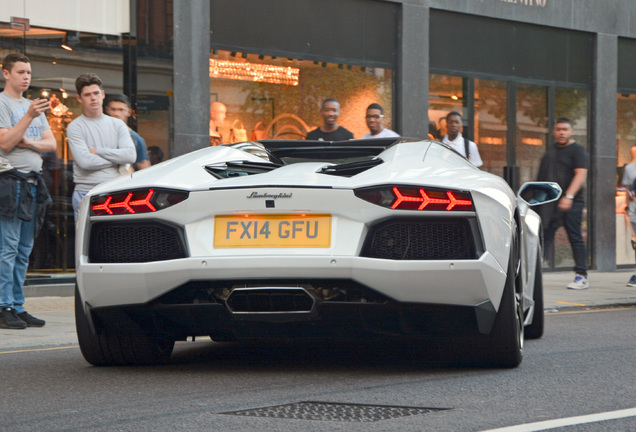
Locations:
{"points": [[466, 147]]}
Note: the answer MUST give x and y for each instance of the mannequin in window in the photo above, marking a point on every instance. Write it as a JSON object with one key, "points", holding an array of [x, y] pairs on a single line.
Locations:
{"points": [[218, 111]]}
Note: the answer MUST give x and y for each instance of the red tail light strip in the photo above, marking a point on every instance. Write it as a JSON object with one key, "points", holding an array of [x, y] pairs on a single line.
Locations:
{"points": [[145, 201], [104, 206], [126, 204], [425, 200]]}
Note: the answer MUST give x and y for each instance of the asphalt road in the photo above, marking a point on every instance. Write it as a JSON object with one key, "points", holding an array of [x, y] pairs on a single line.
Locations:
{"points": [[583, 366]]}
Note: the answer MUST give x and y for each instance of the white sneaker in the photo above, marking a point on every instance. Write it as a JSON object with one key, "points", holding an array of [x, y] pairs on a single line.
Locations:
{"points": [[580, 283]]}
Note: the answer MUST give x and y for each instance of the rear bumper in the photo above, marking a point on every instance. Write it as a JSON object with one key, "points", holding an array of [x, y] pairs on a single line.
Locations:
{"points": [[454, 283]]}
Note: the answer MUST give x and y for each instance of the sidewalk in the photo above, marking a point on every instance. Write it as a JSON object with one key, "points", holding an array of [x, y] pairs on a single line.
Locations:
{"points": [[606, 289]]}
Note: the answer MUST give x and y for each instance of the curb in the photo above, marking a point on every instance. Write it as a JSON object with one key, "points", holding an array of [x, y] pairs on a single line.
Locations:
{"points": [[50, 290], [615, 305]]}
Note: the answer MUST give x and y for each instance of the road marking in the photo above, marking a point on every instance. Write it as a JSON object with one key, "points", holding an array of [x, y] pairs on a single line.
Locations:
{"points": [[570, 421], [596, 310], [575, 304], [38, 349]]}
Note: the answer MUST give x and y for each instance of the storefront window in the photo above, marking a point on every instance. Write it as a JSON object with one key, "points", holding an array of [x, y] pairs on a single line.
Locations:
{"points": [[153, 85], [573, 104], [446, 94], [626, 139], [491, 124], [57, 58], [279, 98], [532, 129]]}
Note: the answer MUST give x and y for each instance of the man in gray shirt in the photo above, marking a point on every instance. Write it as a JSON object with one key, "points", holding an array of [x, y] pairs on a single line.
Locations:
{"points": [[99, 143], [24, 135]]}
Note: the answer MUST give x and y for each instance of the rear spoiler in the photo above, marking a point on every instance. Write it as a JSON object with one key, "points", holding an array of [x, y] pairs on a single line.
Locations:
{"points": [[325, 150]]}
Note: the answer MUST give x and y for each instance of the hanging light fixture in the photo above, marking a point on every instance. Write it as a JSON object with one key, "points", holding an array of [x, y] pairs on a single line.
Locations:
{"points": [[256, 72]]}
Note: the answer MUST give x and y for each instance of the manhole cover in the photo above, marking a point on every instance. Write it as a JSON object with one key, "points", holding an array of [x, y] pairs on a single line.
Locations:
{"points": [[326, 411]]}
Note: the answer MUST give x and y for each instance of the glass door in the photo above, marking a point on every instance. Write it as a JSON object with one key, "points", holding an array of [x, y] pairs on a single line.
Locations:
{"points": [[491, 124], [531, 130]]}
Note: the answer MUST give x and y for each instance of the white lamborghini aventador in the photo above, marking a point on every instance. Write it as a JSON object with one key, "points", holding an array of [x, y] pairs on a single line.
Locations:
{"points": [[300, 239]]}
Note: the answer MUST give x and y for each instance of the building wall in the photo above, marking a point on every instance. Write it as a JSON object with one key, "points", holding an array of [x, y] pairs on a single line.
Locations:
{"points": [[412, 71]]}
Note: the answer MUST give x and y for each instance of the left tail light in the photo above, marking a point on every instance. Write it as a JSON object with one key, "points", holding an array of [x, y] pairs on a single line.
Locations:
{"points": [[135, 201], [417, 198]]}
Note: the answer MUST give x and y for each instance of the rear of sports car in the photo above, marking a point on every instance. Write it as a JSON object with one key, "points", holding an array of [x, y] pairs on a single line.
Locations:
{"points": [[414, 241]]}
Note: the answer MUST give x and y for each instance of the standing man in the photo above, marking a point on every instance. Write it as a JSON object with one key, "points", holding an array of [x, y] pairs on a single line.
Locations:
{"points": [[218, 111], [118, 106], [454, 138], [566, 162], [24, 136], [155, 154], [330, 130], [99, 143], [375, 123], [629, 181]]}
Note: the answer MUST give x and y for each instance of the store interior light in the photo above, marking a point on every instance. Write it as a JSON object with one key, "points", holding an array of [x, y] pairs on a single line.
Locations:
{"points": [[256, 72], [66, 47], [455, 97]]}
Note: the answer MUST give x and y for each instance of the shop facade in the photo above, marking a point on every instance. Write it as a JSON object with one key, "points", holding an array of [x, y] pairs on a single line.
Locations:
{"points": [[511, 67]]}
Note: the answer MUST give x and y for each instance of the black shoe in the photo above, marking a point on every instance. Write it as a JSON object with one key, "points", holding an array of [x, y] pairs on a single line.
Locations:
{"points": [[30, 320], [9, 320]]}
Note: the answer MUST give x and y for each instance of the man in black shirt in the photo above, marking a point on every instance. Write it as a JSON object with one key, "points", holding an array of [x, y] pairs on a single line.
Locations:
{"points": [[330, 130], [566, 163]]}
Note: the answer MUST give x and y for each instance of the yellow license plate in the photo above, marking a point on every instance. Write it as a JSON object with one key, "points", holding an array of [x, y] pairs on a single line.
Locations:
{"points": [[272, 231]]}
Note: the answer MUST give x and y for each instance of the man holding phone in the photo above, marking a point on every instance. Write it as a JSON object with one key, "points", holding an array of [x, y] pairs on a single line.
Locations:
{"points": [[24, 135]]}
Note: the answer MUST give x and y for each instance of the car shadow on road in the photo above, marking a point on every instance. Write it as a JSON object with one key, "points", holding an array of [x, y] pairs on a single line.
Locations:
{"points": [[376, 354]]}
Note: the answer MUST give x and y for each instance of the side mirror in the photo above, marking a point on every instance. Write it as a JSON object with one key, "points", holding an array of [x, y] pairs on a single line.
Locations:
{"points": [[537, 193]]}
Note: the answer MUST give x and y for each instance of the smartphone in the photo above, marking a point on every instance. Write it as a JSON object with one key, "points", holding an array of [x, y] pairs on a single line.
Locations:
{"points": [[45, 93]]}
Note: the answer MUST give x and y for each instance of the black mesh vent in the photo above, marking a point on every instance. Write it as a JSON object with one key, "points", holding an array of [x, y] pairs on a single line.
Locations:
{"points": [[134, 242], [421, 239]]}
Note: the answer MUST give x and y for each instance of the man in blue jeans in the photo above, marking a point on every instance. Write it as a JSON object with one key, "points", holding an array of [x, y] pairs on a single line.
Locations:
{"points": [[566, 163], [24, 135]]}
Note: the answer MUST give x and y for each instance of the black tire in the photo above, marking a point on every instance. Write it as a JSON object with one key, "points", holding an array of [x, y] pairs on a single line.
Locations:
{"points": [[88, 342], [535, 329], [107, 350], [504, 346]]}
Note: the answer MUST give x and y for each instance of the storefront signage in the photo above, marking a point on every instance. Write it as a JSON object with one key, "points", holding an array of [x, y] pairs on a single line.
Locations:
{"points": [[539, 3]]}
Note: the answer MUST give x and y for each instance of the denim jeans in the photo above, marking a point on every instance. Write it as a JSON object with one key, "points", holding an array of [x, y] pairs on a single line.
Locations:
{"points": [[571, 221], [76, 200], [16, 242]]}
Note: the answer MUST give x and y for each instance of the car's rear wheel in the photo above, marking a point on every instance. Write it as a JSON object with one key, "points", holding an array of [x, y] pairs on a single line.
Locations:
{"points": [[503, 347], [105, 350], [535, 329]]}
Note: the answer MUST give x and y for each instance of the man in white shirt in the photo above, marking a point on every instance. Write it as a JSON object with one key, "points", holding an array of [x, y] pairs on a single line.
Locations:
{"points": [[375, 123], [454, 138]]}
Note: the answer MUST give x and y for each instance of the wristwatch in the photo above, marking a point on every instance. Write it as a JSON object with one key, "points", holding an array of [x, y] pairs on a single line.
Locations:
{"points": [[569, 196]]}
